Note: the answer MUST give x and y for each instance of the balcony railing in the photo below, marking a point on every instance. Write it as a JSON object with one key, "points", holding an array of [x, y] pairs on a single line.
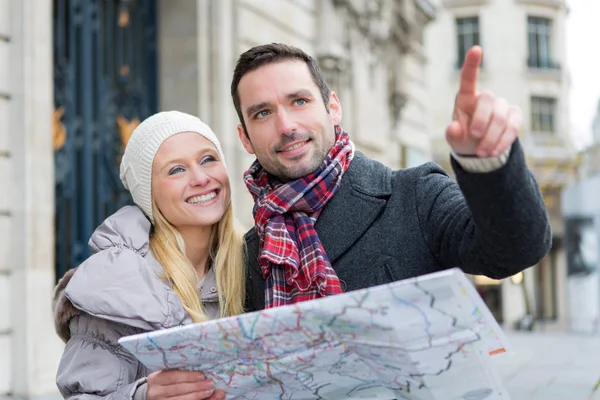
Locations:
{"points": [[460, 3], [536, 63], [550, 3]]}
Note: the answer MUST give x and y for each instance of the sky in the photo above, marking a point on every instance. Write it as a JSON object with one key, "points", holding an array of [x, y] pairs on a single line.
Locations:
{"points": [[583, 63]]}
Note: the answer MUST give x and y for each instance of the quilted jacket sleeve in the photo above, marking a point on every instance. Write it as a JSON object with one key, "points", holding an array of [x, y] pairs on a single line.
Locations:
{"points": [[95, 366]]}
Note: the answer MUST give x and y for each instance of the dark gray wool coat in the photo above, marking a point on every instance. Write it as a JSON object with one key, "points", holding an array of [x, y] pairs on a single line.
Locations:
{"points": [[384, 225]]}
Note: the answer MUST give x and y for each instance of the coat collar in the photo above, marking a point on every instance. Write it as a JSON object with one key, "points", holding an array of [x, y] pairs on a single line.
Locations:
{"points": [[363, 193]]}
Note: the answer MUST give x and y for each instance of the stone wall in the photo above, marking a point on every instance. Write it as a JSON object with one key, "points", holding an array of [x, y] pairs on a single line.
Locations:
{"points": [[5, 206], [369, 58], [373, 62], [29, 348]]}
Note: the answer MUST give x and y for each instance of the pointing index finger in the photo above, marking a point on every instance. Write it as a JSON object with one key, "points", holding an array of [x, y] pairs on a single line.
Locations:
{"points": [[470, 71]]}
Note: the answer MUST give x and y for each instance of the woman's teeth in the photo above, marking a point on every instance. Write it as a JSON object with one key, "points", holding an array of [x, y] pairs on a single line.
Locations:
{"points": [[203, 198]]}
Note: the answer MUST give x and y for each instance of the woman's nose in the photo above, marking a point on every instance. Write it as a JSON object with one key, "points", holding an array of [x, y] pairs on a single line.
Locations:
{"points": [[199, 177]]}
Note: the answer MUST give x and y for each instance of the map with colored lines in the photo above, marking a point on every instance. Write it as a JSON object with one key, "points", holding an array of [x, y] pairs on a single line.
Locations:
{"points": [[424, 338]]}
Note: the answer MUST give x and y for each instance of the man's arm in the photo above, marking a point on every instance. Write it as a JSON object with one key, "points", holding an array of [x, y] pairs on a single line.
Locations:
{"points": [[492, 223]]}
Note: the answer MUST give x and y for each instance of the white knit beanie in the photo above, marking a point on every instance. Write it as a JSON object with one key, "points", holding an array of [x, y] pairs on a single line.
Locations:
{"points": [[146, 139]]}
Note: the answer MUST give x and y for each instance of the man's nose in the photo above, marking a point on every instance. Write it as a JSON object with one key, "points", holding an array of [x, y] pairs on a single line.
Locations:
{"points": [[286, 124]]}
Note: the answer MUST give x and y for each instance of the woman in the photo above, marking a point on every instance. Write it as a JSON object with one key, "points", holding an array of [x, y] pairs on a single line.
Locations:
{"points": [[174, 258]]}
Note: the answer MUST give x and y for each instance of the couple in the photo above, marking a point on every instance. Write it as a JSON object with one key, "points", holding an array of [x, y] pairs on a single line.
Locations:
{"points": [[328, 219]]}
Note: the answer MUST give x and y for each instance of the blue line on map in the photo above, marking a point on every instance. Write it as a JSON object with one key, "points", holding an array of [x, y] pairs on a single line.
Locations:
{"points": [[427, 323], [248, 335], [164, 353], [254, 326]]}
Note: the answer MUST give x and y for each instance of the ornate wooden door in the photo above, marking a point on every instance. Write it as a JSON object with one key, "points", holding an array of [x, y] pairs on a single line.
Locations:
{"points": [[105, 76]]}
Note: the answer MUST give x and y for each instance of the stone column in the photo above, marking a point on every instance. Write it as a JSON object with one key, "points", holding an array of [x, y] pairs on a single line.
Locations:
{"points": [[5, 206], [35, 348], [218, 50], [177, 56], [330, 52]]}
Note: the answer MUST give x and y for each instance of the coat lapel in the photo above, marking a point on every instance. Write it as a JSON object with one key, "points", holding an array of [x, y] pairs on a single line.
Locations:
{"points": [[361, 198]]}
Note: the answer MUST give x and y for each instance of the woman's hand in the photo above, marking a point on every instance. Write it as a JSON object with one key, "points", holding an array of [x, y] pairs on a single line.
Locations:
{"points": [[181, 385]]}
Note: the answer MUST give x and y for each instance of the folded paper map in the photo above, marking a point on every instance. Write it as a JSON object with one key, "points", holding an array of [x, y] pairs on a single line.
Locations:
{"points": [[423, 338]]}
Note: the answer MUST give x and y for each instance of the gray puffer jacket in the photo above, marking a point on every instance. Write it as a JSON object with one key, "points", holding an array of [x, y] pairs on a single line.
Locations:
{"points": [[116, 292]]}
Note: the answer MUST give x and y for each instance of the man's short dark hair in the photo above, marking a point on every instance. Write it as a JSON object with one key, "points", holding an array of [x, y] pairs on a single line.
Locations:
{"points": [[259, 56]]}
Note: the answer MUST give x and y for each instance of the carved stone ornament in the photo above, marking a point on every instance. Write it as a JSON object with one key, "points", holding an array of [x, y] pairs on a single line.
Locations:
{"points": [[59, 133], [126, 128], [397, 101], [381, 21]]}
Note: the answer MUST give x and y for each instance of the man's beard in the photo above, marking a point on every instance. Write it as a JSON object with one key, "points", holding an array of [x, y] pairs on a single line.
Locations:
{"points": [[292, 172]]}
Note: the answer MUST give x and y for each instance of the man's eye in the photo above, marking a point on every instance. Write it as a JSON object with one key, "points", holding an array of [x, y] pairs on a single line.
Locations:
{"points": [[261, 114], [176, 170], [300, 102]]}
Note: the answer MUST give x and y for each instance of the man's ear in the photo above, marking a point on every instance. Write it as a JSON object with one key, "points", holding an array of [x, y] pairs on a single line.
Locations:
{"points": [[335, 108], [244, 139]]}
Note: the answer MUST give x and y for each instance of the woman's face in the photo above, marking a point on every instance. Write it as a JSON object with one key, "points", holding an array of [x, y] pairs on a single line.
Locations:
{"points": [[190, 184]]}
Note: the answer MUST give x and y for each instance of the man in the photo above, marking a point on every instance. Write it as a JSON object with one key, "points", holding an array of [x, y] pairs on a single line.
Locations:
{"points": [[329, 219]]}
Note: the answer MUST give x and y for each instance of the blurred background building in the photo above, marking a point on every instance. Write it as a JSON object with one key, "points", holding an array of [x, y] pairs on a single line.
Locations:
{"points": [[581, 210], [523, 61], [77, 76], [590, 156]]}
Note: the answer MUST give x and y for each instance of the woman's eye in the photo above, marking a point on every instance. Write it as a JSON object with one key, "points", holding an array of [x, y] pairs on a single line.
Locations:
{"points": [[207, 159], [175, 170]]}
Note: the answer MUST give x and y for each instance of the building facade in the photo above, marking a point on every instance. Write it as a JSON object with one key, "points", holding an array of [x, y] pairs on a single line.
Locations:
{"points": [[590, 156], [581, 214], [76, 77], [523, 45]]}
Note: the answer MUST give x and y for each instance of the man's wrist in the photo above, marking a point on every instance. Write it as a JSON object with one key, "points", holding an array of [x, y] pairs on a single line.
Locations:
{"points": [[476, 164]]}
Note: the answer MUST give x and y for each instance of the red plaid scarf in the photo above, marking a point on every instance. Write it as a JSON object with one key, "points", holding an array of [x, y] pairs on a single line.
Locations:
{"points": [[291, 257]]}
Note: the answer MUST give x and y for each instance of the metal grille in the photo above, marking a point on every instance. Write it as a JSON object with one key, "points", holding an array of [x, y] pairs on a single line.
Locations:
{"points": [[105, 77]]}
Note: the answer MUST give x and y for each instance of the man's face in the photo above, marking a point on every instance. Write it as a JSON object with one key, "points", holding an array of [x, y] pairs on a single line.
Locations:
{"points": [[289, 128]]}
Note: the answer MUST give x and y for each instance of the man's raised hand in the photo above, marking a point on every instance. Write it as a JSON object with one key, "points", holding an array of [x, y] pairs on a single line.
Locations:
{"points": [[482, 124]]}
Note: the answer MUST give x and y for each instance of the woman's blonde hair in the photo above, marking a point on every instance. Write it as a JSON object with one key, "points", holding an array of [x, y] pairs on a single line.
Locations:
{"points": [[226, 253]]}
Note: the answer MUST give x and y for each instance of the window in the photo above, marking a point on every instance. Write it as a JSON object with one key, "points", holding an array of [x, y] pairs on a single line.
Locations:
{"points": [[543, 115], [539, 39], [413, 157], [467, 35]]}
